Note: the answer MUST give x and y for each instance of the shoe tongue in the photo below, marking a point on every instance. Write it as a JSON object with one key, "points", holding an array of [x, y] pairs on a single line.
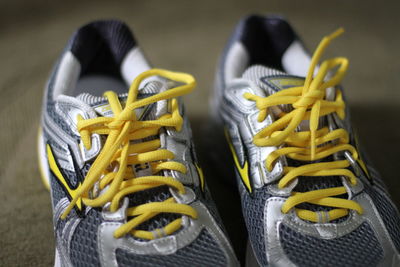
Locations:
{"points": [[271, 80], [102, 107]]}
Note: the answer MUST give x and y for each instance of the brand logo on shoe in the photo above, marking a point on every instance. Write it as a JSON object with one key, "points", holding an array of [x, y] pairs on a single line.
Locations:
{"points": [[279, 83], [70, 190], [243, 169]]}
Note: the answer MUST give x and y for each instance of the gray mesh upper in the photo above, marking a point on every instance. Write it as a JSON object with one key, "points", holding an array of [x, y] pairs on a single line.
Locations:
{"points": [[204, 251], [83, 246], [157, 194], [205, 197], [253, 212], [57, 192], [358, 248], [388, 212], [258, 74], [84, 241], [71, 176]]}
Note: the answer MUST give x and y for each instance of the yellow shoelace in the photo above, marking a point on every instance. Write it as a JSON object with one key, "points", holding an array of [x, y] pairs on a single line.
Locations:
{"points": [[112, 170], [309, 103]]}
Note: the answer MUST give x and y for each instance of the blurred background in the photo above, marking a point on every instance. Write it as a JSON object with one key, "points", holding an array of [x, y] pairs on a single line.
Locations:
{"points": [[183, 36]]}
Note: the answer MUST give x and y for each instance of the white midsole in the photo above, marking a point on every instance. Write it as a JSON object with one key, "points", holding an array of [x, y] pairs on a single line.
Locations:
{"points": [[43, 164], [57, 260]]}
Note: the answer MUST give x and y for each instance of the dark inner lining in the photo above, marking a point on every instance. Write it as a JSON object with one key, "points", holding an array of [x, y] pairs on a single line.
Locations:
{"points": [[101, 46], [266, 39]]}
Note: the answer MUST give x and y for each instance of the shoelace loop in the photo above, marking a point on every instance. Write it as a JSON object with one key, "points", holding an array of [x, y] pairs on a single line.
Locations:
{"points": [[309, 103], [112, 169]]}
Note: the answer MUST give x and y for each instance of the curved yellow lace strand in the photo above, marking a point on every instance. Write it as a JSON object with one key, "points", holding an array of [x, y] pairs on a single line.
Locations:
{"points": [[309, 104], [119, 152]]}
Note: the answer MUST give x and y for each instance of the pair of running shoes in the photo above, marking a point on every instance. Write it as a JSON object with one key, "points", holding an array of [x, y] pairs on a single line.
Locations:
{"points": [[116, 152]]}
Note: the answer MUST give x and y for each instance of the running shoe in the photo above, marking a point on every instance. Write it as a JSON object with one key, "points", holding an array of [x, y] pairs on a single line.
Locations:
{"points": [[126, 188], [309, 196]]}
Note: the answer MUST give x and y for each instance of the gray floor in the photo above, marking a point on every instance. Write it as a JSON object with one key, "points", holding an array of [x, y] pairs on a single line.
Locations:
{"points": [[186, 36]]}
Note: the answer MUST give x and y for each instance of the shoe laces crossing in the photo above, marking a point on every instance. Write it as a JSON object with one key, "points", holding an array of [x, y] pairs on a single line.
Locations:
{"points": [[309, 103], [124, 147]]}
